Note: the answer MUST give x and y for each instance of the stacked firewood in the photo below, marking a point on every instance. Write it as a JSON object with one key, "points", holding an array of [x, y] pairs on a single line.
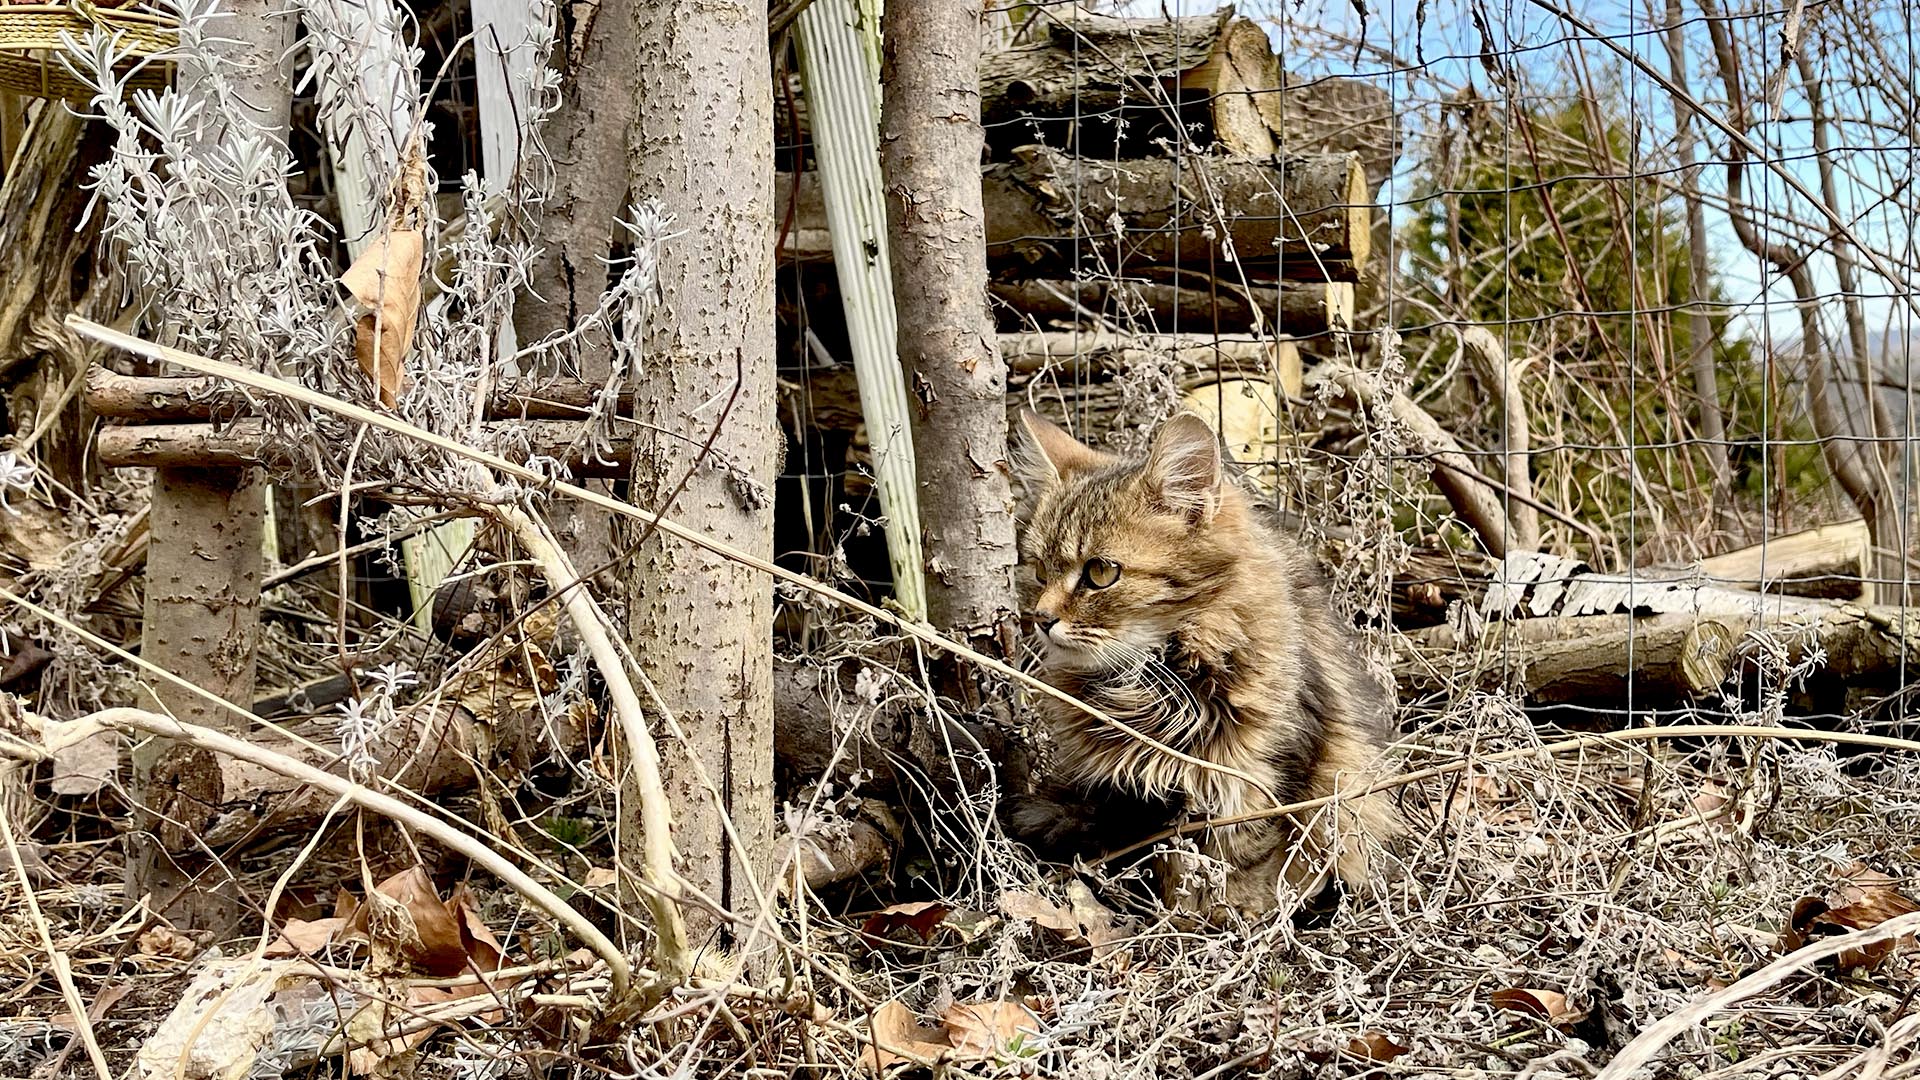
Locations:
{"points": [[1160, 196]]}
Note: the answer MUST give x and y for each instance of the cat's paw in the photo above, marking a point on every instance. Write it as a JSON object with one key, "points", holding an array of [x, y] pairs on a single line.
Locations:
{"points": [[1046, 825]]}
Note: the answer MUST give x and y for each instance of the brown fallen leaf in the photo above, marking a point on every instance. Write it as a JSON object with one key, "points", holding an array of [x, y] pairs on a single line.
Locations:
{"points": [[898, 1035], [1860, 899], [428, 938], [304, 937], [165, 941], [599, 877], [985, 1029], [385, 280], [109, 994], [1085, 922], [921, 917], [1548, 1005], [1375, 1046]]}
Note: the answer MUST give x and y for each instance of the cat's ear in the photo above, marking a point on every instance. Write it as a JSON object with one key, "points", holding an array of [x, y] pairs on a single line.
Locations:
{"points": [[1047, 452], [1184, 469]]}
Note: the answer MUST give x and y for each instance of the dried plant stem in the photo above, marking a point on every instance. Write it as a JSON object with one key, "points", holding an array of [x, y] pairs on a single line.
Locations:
{"points": [[59, 733], [106, 335], [62, 968], [1583, 742], [660, 883], [1655, 1038]]}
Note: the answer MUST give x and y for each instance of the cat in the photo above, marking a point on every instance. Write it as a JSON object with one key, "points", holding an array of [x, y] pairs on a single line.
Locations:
{"points": [[1168, 601]]}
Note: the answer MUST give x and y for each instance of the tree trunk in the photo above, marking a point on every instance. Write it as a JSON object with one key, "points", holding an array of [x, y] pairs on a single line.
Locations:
{"points": [[202, 617], [702, 627], [587, 138], [930, 140]]}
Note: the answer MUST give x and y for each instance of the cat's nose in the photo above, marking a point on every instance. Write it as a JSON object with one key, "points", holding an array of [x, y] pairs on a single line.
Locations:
{"points": [[1046, 623]]}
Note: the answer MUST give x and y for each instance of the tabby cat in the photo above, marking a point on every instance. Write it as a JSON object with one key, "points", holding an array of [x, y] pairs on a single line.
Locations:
{"points": [[1169, 602]]}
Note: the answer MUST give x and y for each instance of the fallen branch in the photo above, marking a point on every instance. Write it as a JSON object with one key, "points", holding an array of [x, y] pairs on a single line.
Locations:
{"points": [[1471, 495], [173, 399], [660, 889], [245, 443], [1663, 1031], [1503, 375]]}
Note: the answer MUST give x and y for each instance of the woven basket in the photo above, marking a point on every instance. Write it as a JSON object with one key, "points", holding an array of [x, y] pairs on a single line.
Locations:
{"points": [[30, 46]]}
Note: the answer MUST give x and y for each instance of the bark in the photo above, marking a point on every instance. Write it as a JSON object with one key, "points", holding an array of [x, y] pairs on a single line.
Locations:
{"points": [[701, 626], [47, 270], [1501, 374], [1830, 561], [1580, 658], [1298, 309], [1471, 495], [1212, 75], [587, 138], [930, 141], [202, 617], [1073, 375], [1297, 217]]}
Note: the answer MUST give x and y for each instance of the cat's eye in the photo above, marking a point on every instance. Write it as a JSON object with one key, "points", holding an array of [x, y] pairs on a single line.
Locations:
{"points": [[1100, 573]]}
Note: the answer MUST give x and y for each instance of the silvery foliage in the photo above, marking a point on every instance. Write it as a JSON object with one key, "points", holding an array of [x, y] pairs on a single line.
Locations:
{"points": [[364, 719], [194, 203]]}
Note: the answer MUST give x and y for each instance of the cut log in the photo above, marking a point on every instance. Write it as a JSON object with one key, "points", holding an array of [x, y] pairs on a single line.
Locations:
{"points": [[1829, 561], [242, 443], [176, 399], [1585, 658], [1297, 309], [1118, 87], [1302, 217], [1672, 655]]}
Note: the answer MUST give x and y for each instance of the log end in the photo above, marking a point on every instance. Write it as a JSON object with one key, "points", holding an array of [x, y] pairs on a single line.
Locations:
{"points": [[1706, 657], [1358, 204]]}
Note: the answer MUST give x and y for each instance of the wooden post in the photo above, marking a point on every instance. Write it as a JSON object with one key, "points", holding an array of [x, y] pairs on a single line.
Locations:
{"points": [[202, 616]]}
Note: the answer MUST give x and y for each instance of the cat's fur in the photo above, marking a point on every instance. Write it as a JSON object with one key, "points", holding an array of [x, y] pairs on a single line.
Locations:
{"points": [[1217, 640]]}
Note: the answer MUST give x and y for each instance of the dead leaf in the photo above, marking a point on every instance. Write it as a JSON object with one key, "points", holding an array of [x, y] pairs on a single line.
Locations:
{"points": [[385, 279], [1375, 1046], [109, 994], [987, 1028], [1040, 911], [86, 765], [898, 1033], [1548, 1005], [1086, 922], [971, 1029], [599, 877], [922, 918], [429, 935], [482, 949], [1862, 898], [166, 941], [304, 937]]}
